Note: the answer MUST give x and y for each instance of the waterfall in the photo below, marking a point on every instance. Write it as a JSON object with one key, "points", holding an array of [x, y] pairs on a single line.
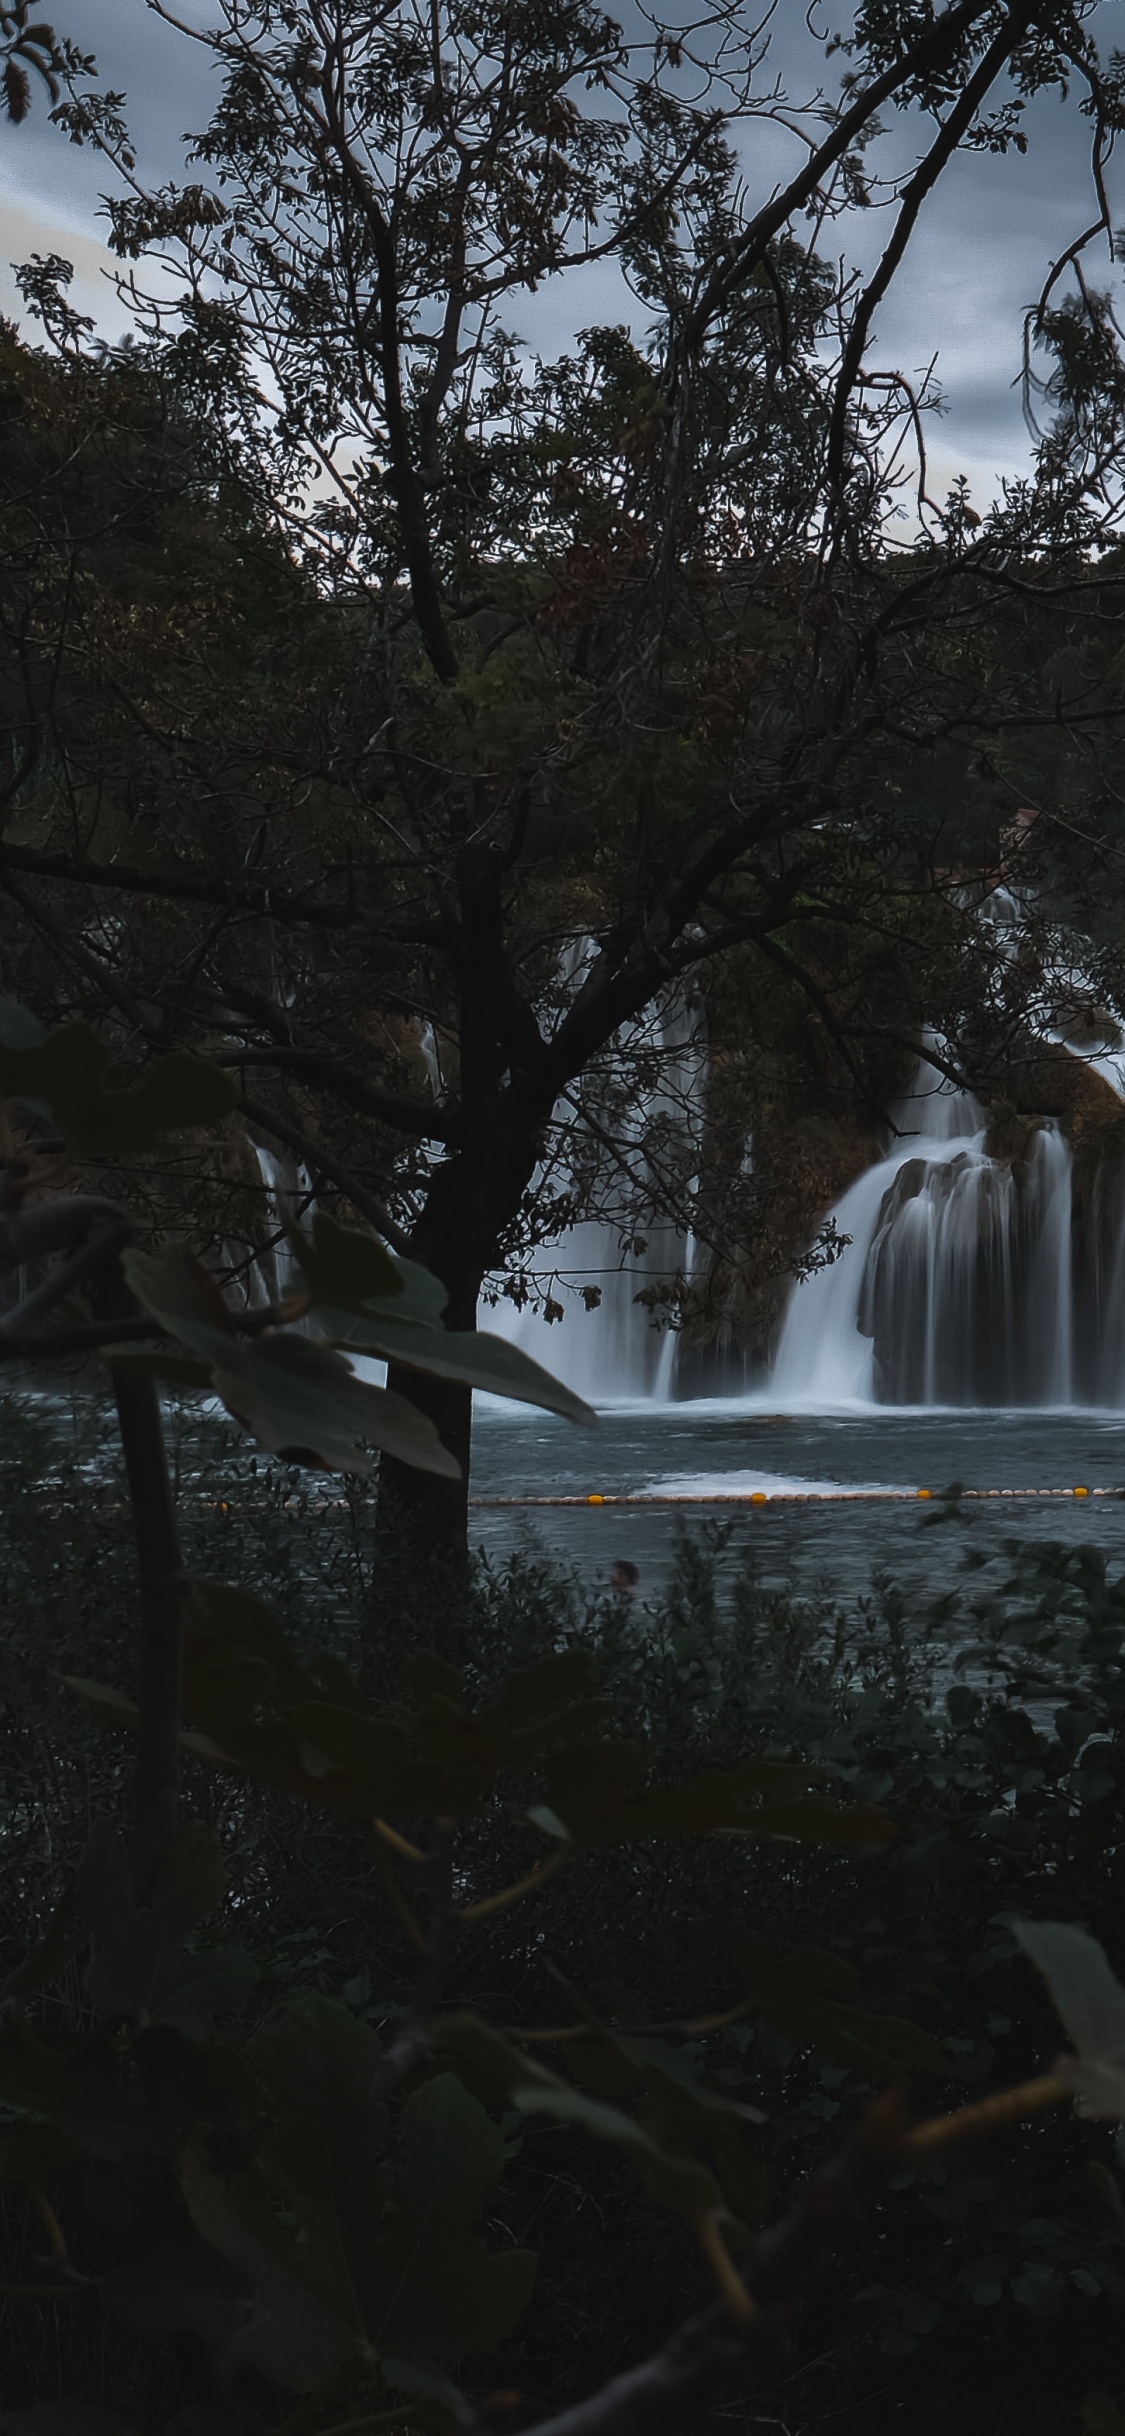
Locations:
{"points": [[958, 1283], [648, 1100], [274, 1272]]}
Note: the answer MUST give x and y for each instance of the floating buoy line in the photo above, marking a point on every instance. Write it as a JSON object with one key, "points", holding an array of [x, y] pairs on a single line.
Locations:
{"points": [[788, 1497]]}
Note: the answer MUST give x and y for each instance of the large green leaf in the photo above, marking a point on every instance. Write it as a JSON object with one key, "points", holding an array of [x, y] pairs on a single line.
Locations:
{"points": [[301, 1396], [451, 2296], [302, 2216], [252, 1705], [1102, 2416], [685, 2106], [178, 2286], [258, 1705], [350, 2260], [350, 1274], [66, 1074], [74, 2083], [297, 1395], [810, 1997], [346, 1270], [490, 2064], [470, 1355], [1091, 2004], [244, 1623], [243, 1685], [144, 1968], [377, 1303]]}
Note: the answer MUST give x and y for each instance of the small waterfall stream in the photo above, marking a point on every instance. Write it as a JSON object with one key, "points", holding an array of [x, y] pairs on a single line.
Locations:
{"points": [[958, 1286], [606, 1345], [967, 1280], [274, 1272]]}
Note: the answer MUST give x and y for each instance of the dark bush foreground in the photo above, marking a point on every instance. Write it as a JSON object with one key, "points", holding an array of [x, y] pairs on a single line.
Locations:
{"points": [[985, 2294]]}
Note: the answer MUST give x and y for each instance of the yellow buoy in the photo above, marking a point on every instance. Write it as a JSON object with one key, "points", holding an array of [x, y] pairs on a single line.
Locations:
{"points": [[925, 1492], [1082, 1492], [595, 1500], [758, 1497]]}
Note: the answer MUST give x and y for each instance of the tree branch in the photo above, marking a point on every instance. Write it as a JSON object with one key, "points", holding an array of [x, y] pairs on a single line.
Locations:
{"points": [[914, 194], [330, 1167], [280, 905], [330, 131], [332, 1075], [924, 56]]}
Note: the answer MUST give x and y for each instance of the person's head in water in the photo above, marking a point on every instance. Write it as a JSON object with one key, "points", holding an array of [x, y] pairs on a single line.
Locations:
{"points": [[624, 1577]]}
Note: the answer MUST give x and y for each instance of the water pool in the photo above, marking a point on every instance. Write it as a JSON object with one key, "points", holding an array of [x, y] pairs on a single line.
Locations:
{"points": [[663, 1455]]}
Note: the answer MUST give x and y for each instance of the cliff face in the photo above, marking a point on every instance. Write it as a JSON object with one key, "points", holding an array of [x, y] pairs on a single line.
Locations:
{"points": [[805, 1151], [1049, 1080]]}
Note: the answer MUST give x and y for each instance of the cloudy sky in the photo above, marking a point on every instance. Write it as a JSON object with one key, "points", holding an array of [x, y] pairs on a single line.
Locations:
{"points": [[976, 262]]}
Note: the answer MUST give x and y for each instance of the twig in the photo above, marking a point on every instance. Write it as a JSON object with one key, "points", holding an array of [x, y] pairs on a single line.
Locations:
{"points": [[988, 2115], [99, 1249], [398, 1902], [692, 2028], [523, 1886], [398, 1843], [41, 1343], [367, 1204], [51, 2226], [709, 2231], [411, 2041], [706, 2356]]}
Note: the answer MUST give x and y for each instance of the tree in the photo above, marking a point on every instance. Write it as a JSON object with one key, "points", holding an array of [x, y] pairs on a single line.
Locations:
{"points": [[630, 642], [35, 46]]}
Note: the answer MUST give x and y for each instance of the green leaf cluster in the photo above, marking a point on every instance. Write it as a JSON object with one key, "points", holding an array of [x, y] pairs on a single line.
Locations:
{"points": [[255, 1706], [298, 1393], [67, 1075]]}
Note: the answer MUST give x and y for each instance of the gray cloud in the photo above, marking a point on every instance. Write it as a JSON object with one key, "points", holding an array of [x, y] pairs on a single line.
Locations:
{"points": [[977, 260]]}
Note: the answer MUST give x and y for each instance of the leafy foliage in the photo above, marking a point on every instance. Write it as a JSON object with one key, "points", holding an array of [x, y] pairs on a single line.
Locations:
{"points": [[252, 1705], [772, 1943], [66, 1073], [357, 2265], [297, 1392], [144, 1970], [298, 2188]]}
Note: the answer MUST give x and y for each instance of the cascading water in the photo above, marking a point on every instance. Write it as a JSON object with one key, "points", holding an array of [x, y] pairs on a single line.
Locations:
{"points": [[606, 1346], [958, 1283], [274, 1273]]}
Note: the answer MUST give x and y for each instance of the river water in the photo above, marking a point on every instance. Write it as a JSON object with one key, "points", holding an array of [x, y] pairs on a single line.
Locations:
{"points": [[821, 1504], [668, 1460]]}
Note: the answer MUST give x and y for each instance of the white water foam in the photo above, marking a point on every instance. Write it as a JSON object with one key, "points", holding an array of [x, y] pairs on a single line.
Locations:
{"points": [[957, 1287], [765, 1484]]}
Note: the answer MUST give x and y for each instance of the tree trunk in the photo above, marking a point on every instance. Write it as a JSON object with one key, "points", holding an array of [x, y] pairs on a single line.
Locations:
{"points": [[470, 1203], [430, 1512]]}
